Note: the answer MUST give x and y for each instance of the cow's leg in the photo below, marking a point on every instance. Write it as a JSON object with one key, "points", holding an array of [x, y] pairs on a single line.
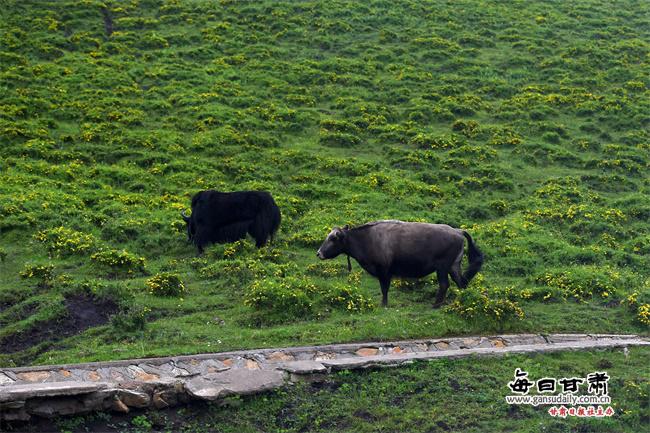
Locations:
{"points": [[443, 282], [456, 272], [385, 284]]}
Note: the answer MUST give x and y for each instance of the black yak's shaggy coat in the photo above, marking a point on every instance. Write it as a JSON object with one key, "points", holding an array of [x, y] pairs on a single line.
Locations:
{"points": [[221, 217]]}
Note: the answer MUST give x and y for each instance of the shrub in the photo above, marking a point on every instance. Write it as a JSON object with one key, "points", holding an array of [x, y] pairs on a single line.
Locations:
{"points": [[641, 310], [505, 137], [43, 274], [468, 128], [430, 141], [3, 255], [346, 296], [643, 314], [165, 284], [62, 241], [480, 302], [130, 320], [119, 261], [339, 126], [551, 137], [338, 139], [281, 299], [582, 283]]}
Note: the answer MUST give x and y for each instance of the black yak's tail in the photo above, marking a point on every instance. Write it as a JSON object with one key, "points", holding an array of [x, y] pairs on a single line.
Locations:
{"points": [[267, 221], [475, 257]]}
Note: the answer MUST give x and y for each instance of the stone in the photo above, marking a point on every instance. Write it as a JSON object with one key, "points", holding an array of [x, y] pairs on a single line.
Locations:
{"points": [[469, 342], [99, 400], [16, 404], [367, 351], [615, 336], [303, 367], [151, 369], [134, 398], [214, 386], [396, 350], [213, 366], [518, 339], [77, 374], [141, 375], [119, 406], [216, 369], [171, 369], [14, 415], [10, 374], [116, 375], [34, 376], [498, 343], [442, 345], [94, 376], [65, 373], [362, 362], [146, 377], [163, 399], [484, 343], [319, 356], [228, 362], [49, 408], [4, 379], [252, 365], [159, 401], [563, 338], [279, 356], [48, 389]]}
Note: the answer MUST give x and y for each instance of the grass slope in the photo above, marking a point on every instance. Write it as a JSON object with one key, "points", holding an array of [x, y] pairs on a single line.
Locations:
{"points": [[526, 123]]}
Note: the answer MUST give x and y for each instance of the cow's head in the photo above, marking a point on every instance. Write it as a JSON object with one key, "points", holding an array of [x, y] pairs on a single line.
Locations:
{"points": [[191, 229], [334, 244]]}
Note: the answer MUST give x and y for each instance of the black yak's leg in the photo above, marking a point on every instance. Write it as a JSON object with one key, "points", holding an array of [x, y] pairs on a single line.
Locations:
{"points": [[385, 284], [443, 282], [256, 230]]}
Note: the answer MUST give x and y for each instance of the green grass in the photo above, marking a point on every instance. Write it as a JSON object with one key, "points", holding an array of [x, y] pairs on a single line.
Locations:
{"points": [[525, 123], [442, 395]]}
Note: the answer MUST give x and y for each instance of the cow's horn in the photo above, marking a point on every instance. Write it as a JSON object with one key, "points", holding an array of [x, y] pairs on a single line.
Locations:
{"points": [[185, 217]]}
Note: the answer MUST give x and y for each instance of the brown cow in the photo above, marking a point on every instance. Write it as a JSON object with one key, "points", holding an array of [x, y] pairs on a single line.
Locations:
{"points": [[392, 248]]}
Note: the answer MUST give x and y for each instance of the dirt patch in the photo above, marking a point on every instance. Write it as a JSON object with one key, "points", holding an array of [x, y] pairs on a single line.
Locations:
{"points": [[83, 312]]}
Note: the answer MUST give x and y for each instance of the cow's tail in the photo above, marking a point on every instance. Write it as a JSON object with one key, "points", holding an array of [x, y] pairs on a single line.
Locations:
{"points": [[475, 257]]}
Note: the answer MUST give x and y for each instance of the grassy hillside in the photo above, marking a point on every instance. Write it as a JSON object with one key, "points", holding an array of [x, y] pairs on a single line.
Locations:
{"points": [[524, 122]]}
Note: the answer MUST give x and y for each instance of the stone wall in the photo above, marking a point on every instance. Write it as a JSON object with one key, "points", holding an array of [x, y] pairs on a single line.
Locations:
{"points": [[49, 391]]}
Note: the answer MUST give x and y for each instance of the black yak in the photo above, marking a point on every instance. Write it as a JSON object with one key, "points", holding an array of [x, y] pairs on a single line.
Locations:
{"points": [[391, 248], [221, 217]]}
